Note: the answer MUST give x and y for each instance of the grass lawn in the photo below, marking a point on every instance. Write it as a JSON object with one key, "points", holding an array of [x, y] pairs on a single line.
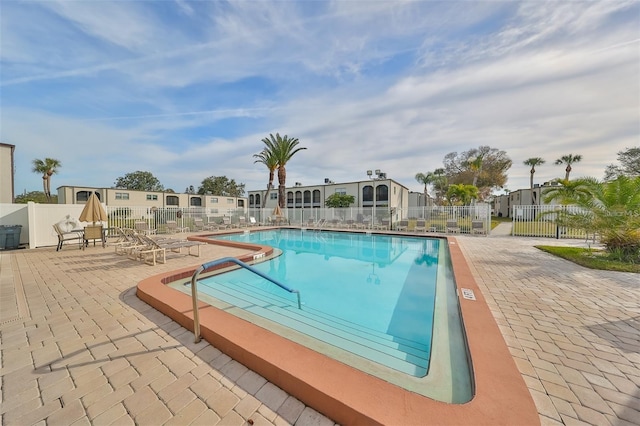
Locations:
{"points": [[591, 258]]}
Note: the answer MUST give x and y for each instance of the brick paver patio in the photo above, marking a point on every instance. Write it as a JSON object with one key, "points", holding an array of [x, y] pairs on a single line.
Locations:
{"points": [[78, 347]]}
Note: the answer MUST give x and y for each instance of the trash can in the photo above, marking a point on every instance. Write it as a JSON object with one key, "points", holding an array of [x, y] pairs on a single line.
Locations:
{"points": [[10, 237]]}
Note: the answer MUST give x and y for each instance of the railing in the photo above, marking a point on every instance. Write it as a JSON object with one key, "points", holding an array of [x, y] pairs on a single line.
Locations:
{"points": [[205, 266]]}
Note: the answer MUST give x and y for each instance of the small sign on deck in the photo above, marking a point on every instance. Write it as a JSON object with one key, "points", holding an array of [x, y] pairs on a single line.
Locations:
{"points": [[467, 293]]}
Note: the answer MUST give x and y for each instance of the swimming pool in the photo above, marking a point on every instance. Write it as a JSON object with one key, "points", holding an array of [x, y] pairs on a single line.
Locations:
{"points": [[469, 357], [368, 300]]}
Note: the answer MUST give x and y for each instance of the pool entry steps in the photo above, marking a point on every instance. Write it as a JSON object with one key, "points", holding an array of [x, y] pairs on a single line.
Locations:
{"points": [[214, 263], [403, 355]]}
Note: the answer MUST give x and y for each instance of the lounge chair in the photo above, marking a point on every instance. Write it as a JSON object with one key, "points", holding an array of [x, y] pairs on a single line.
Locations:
{"points": [[453, 227], [383, 225], [172, 227], [68, 236], [252, 221], [242, 222], [226, 223], [420, 226], [143, 228], [477, 227], [403, 225], [199, 225]]}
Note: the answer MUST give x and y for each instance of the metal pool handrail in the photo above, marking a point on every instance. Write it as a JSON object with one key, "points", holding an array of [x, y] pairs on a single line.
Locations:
{"points": [[205, 266]]}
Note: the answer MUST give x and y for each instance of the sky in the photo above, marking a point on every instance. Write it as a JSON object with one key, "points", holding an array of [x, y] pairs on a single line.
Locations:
{"points": [[188, 89]]}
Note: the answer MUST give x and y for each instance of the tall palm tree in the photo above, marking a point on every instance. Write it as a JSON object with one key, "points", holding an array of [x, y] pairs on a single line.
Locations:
{"points": [[533, 162], [46, 167], [267, 158], [568, 160], [283, 149], [440, 184], [426, 179]]}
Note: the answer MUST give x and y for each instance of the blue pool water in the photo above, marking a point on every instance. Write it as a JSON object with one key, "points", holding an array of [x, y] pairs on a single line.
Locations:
{"points": [[372, 294]]}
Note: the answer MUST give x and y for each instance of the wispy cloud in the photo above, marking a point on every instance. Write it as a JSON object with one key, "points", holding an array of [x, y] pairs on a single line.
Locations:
{"points": [[188, 89]]}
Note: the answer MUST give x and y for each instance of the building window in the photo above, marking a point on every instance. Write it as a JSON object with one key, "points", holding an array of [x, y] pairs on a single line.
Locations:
{"points": [[307, 197], [290, 197], [240, 203], [273, 195], [195, 201], [251, 200], [316, 196], [382, 193], [230, 201], [83, 195], [172, 200], [122, 195], [298, 197], [214, 199], [152, 197], [342, 191], [257, 200], [367, 194]]}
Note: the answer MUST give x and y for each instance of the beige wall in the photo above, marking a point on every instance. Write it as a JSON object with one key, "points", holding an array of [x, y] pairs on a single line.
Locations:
{"points": [[7, 190], [398, 194], [125, 197]]}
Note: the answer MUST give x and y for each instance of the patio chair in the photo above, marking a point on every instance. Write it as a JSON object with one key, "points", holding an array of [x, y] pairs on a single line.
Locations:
{"points": [[172, 227], [93, 232], [143, 228], [453, 227], [383, 225], [242, 222], [253, 221], [68, 236], [420, 226]]}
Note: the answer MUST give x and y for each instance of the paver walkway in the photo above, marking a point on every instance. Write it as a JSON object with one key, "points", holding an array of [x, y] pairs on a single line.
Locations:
{"points": [[78, 347]]}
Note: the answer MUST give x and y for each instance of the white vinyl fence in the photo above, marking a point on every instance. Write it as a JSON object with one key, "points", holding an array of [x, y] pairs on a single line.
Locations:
{"points": [[36, 220], [545, 221]]}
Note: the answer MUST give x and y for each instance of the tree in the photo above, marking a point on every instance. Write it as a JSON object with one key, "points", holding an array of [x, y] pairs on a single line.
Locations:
{"points": [[485, 165], [533, 162], [608, 208], [267, 158], [440, 185], [36, 197], [282, 149], [568, 192], [461, 193], [221, 185], [426, 179], [139, 181], [339, 200], [47, 168], [568, 160], [629, 165]]}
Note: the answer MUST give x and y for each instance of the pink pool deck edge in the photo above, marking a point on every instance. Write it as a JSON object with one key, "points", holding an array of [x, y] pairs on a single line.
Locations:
{"points": [[343, 393]]}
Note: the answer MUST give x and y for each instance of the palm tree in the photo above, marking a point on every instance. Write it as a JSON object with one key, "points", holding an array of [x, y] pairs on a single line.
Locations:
{"points": [[462, 193], [426, 179], [440, 184], [282, 149], [533, 162], [476, 168], [568, 160], [569, 192], [46, 167], [267, 158]]}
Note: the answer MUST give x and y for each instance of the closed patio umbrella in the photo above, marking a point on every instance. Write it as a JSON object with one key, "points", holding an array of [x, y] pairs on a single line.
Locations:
{"points": [[277, 211], [93, 210]]}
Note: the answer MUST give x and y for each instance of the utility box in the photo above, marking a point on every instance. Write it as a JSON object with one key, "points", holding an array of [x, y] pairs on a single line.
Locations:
{"points": [[10, 237]]}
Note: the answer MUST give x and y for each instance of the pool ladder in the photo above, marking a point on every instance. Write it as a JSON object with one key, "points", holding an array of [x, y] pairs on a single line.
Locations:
{"points": [[208, 265]]}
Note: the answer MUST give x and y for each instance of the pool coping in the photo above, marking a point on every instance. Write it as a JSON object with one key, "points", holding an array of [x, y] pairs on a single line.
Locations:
{"points": [[343, 393]]}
